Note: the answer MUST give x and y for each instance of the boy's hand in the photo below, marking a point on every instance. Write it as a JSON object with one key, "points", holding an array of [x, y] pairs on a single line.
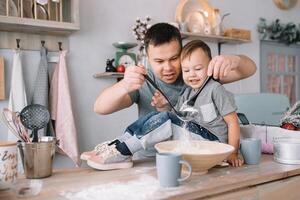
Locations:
{"points": [[234, 160], [220, 66], [133, 78], [159, 102]]}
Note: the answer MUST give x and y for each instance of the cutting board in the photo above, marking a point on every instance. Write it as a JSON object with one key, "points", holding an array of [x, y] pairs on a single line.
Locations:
{"points": [[2, 79]]}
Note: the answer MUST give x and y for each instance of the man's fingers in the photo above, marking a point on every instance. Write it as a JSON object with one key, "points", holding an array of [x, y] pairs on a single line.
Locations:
{"points": [[226, 71], [222, 69], [211, 67], [216, 69]]}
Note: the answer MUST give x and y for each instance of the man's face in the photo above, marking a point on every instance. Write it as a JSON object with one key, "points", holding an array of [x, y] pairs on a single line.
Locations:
{"points": [[194, 68], [165, 61]]}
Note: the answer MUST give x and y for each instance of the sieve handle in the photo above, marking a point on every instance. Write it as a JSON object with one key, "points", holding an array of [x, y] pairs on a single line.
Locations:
{"points": [[35, 135]]}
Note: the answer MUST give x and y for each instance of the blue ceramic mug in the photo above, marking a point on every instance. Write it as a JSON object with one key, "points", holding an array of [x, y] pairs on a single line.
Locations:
{"points": [[168, 167], [251, 150]]}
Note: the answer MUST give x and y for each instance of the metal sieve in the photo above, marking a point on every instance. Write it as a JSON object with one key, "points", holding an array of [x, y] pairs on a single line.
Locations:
{"points": [[35, 117]]}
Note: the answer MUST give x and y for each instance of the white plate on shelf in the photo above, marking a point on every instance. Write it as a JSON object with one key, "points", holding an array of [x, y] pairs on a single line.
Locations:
{"points": [[13, 10]]}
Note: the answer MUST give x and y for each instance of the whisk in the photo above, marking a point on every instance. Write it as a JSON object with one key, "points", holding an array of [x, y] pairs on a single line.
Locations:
{"points": [[12, 122]]}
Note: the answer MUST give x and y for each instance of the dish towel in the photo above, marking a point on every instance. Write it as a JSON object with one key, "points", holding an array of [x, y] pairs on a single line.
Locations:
{"points": [[17, 97], [61, 110], [41, 89]]}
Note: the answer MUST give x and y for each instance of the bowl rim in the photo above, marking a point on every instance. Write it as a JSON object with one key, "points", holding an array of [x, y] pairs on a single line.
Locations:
{"points": [[195, 154]]}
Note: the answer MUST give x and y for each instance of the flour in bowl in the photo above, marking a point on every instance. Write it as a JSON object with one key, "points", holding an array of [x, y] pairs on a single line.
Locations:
{"points": [[186, 146], [189, 147]]}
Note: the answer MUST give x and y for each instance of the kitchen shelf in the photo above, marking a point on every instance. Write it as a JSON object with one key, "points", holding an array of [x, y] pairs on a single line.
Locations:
{"points": [[186, 35], [31, 28], [66, 23], [213, 38], [109, 75], [36, 26]]}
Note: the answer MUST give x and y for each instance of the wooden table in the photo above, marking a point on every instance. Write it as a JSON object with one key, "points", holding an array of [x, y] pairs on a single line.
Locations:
{"points": [[268, 180]]}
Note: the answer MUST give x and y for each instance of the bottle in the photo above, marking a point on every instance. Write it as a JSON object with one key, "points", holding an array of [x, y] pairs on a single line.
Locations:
{"points": [[217, 22]]}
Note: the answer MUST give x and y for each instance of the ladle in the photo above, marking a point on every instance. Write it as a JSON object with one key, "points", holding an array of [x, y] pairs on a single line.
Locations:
{"points": [[156, 87], [188, 106]]}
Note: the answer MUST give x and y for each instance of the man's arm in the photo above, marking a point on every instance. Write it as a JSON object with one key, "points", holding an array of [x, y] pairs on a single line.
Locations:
{"points": [[230, 68], [112, 99], [117, 97]]}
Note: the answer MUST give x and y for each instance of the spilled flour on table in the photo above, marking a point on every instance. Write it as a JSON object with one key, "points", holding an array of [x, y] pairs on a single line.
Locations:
{"points": [[141, 189]]}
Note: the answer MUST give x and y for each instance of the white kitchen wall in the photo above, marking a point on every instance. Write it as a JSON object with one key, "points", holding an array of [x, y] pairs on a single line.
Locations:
{"points": [[104, 22]]}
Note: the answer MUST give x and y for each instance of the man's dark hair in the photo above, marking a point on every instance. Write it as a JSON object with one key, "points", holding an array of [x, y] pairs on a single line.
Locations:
{"points": [[190, 47], [162, 33]]}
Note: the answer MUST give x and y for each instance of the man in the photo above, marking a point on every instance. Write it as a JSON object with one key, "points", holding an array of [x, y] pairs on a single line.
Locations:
{"points": [[163, 45]]}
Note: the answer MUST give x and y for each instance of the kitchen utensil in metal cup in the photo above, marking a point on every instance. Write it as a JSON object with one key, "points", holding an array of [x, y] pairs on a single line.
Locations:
{"points": [[35, 117], [37, 158]]}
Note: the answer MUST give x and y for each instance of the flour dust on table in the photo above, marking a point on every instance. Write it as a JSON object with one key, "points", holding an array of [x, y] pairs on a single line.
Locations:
{"points": [[143, 188]]}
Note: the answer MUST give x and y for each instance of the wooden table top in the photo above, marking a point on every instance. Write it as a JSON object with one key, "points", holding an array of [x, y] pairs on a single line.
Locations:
{"points": [[215, 182]]}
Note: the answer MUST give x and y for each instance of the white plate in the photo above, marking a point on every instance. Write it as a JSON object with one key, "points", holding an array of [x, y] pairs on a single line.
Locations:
{"points": [[13, 11]]}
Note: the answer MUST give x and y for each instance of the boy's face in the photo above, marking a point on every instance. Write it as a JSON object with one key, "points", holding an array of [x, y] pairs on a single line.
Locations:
{"points": [[194, 68], [165, 61]]}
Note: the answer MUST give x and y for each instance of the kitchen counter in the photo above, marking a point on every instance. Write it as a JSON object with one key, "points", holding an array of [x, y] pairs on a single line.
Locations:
{"points": [[268, 180]]}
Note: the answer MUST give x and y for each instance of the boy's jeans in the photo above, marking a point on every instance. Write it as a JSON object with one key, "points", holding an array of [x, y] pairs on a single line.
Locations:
{"points": [[156, 127]]}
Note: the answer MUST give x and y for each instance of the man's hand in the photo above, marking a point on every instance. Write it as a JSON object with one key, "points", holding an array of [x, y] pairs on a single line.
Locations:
{"points": [[220, 66], [133, 78], [159, 102]]}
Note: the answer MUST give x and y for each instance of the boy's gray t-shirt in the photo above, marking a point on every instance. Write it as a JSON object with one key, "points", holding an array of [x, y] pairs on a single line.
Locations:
{"points": [[143, 96], [213, 103]]}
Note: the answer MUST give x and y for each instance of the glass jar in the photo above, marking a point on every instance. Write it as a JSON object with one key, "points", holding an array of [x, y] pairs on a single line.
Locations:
{"points": [[142, 58]]}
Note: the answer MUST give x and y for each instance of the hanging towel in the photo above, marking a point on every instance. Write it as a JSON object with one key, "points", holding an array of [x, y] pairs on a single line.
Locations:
{"points": [[61, 110], [17, 97], [41, 89]]}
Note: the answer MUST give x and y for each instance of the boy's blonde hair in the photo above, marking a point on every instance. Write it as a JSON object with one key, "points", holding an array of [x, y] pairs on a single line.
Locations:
{"points": [[188, 49]]}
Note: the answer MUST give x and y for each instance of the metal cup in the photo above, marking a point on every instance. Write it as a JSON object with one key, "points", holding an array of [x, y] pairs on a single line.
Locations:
{"points": [[37, 158]]}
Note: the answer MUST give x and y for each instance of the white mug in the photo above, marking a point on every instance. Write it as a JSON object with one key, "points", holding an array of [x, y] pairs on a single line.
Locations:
{"points": [[8, 163]]}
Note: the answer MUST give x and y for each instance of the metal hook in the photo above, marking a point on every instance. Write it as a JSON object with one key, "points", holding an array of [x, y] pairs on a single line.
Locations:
{"points": [[43, 43], [18, 43], [60, 46]]}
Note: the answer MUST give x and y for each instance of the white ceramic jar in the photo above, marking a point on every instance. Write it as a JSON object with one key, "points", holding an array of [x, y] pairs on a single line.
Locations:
{"points": [[8, 163]]}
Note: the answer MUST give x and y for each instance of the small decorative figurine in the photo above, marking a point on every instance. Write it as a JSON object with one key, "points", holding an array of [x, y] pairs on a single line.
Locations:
{"points": [[109, 66]]}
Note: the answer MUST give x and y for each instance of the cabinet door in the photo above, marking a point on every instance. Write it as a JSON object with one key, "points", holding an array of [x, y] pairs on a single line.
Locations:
{"points": [[279, 66]]}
